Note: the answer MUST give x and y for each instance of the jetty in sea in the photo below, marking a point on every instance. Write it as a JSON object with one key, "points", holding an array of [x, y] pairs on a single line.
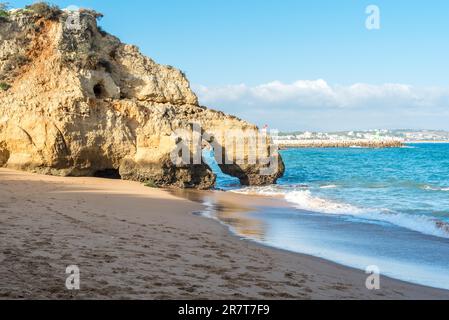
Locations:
{"points": [[349, 143]]}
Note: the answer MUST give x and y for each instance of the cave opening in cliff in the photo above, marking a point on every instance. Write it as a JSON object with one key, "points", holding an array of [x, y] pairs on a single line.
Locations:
{"points": [[108, 174], [223, 180], [99, 91]]}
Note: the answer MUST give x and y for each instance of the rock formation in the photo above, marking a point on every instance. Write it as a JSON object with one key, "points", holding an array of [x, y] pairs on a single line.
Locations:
{"points": [[75, 101]]}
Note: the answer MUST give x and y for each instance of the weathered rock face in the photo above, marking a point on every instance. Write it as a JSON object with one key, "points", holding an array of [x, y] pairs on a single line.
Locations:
{"points": [[78, 102]]}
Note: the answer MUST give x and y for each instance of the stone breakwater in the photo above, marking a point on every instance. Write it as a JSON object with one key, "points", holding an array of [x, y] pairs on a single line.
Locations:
{"points": [[362, 143]]}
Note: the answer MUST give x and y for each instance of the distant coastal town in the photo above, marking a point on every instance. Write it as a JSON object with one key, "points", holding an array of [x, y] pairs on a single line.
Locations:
{"points": [[377, 138]]}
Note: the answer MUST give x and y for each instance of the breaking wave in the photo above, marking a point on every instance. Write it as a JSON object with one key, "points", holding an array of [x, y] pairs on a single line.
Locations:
{"points": [[433, 188], [303, 199]]}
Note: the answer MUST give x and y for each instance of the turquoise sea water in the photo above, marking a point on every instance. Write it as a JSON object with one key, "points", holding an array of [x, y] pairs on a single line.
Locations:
{"points": [[362, 207]]}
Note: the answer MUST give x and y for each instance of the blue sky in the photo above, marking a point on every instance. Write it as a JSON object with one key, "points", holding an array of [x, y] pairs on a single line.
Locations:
{"points": [[299, 64]]}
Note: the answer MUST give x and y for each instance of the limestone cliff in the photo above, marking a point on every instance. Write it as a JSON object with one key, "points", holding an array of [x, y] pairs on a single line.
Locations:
{"points": [[78, 102]]}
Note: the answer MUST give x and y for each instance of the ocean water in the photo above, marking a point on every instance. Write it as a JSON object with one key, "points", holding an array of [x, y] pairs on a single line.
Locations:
{"points": [[363, 207]]}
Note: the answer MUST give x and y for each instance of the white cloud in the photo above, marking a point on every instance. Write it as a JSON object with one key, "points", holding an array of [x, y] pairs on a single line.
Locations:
{"points": [[315, 104], [318, 93]]}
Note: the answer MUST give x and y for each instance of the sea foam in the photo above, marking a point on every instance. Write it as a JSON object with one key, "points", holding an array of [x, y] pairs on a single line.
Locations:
{"points": [[303, 199], [433, 188]]}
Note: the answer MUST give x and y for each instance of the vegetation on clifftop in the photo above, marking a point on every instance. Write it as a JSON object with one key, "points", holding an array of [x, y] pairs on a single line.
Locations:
{"points": [[4, 14], [45, 10]]}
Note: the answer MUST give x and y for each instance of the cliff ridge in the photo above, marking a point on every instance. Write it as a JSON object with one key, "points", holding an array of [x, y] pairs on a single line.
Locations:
{"points": [[78, 102]]}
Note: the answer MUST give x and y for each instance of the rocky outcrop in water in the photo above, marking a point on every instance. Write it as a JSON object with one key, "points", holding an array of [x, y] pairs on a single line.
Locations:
{"points": [[75, 101]]}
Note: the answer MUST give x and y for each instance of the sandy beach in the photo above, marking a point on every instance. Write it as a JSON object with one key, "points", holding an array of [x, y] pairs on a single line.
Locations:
{"points": [[134, 242]]}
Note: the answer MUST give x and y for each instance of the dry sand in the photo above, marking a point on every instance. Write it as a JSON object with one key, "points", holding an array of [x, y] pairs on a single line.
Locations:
{"points": [[134, 242]]}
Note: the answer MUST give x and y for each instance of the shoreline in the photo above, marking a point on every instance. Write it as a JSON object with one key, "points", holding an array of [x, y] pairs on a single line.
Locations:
{"points": [[134, 242], [261, 203]]}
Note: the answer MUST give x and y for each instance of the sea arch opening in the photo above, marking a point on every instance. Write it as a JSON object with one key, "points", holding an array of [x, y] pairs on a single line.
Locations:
{"points": [[223, 180]]}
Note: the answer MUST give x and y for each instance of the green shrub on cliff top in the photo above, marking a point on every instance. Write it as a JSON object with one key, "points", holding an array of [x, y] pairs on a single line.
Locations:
{"points": [[45, 10], [4, 14]]}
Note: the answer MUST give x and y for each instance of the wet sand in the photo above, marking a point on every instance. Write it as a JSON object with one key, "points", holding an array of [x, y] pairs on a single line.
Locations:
{"points": [[133, 242]]}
